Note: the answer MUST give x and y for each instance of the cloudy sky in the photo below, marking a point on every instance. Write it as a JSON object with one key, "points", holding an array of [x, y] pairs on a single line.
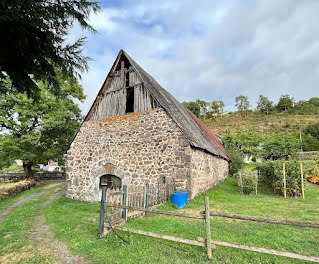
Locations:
{"points": [[211, 50]]}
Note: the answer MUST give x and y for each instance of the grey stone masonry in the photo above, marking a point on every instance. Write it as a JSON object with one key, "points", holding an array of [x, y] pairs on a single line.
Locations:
{"points": [[138, 148]]}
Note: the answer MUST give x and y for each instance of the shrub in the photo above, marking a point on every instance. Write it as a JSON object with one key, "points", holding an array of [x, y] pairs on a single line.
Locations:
{"points": [[248, 181], [272, 171], [236, 161]]}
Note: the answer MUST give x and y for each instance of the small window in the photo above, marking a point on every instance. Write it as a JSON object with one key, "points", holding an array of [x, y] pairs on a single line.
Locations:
{"points": [[129, 100]]}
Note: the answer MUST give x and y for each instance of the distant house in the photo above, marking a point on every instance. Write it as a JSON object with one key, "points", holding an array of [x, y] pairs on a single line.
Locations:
{"points": [[139, 133], [51, 166]]}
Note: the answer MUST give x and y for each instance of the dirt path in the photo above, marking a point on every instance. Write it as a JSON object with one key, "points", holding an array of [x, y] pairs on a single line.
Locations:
{"points": [[19, 203], [44, 241], [27, 199]]}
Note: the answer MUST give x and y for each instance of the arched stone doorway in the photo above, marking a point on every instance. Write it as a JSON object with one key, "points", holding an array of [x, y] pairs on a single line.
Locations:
{"points": [[111, 181]]}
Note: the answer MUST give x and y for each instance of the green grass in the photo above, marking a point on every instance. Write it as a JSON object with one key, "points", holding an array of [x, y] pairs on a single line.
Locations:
{"points": [[5, 203], [14, 167], [76, 222], [14, 230]]}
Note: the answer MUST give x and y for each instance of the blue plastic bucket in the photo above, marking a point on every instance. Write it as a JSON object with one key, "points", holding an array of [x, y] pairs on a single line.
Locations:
{"points": [[179, 199]]}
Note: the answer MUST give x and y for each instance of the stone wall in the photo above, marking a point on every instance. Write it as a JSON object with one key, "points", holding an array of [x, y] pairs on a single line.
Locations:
{"points": [[207, 171], [308, 154], [138, 148], [19, 176]]}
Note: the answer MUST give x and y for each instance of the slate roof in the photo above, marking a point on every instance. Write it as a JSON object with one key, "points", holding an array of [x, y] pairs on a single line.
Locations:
{"points": [[193, 129]]}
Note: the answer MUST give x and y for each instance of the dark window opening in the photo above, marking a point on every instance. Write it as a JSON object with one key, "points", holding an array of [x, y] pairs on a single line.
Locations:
{"points": [[129, 100]]}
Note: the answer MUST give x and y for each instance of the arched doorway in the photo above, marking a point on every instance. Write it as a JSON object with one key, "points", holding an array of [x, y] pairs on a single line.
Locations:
{"points": [[111, 181]]}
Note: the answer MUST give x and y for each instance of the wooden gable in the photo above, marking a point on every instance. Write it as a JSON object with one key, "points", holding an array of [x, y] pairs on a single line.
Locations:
{"points": [[123, 92]]}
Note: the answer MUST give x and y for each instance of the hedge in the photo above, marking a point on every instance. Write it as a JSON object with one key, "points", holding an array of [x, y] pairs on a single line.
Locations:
{"points": [[272, 171]]}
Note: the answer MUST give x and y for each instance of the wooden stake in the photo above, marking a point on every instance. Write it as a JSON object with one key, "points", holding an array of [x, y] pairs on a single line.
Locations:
{"points": [[241, 183], [284, 174], [256, 179], [207, 224], [302, 183]]}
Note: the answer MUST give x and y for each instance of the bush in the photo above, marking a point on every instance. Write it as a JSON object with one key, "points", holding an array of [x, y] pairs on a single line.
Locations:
{"points": [[236, 161], [272, 171], [248, 180]]}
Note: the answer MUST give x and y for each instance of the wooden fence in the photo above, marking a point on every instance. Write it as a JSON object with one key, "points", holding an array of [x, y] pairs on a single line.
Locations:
{"points": [[132, 196], [210, 243]]}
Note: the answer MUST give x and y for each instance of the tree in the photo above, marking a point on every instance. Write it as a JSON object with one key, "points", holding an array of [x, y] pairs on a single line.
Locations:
{"points": [[246, 142], [198, 108], [202, 106], [33, 43], [314, 101], [242, 104], [217, 107], [313, 130], [264, 104], [193, 107], [280, 146], [36, 133], [285, 103]]}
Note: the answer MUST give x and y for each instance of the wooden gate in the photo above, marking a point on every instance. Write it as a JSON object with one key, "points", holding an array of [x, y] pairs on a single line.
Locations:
{"points": [[114, 196]]}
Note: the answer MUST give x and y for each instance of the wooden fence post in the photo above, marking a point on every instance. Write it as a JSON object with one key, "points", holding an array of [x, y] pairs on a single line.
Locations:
{"points": [[124, 202], [147, 196], [207, 224], [302, 183], [284, 174], [102, 210], [256, 179], [241, 183]]}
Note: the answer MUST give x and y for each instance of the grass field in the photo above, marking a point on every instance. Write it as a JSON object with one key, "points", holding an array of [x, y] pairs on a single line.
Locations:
{"points": [[75, 223]]}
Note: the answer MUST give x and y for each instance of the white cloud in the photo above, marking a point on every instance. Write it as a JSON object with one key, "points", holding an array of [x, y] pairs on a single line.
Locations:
{"points": [[211, 49]]}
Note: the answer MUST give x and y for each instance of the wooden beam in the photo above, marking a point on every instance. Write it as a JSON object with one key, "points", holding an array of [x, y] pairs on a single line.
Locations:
{"points": [[263, 250], [156, 211], [264, 220], [166, 237]]}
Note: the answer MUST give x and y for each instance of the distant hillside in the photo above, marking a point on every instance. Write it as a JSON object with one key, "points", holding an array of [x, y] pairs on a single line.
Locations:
{"points": [[266, 124]]}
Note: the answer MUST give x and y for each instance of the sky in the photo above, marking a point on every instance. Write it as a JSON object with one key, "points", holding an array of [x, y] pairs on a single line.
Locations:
{"points": [[209, 50]]}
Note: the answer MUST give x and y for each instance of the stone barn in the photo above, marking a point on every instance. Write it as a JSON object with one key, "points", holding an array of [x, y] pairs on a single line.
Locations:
{"points": [[138, 133]]}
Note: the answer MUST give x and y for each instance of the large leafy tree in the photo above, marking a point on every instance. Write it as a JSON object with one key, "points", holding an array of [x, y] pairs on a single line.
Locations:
{"points": [[285, 103], [246, 142], [242, 104], [264, 104], [36, 133], [34, 42], [217, 107], [280, 146]]}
